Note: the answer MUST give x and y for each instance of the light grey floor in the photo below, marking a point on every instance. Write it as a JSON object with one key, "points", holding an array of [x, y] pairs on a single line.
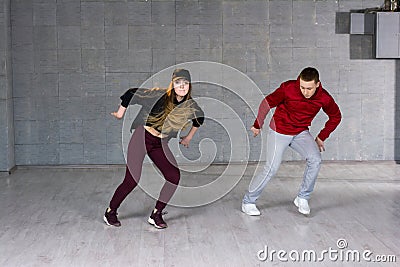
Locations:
{"points": [[53, 217]]}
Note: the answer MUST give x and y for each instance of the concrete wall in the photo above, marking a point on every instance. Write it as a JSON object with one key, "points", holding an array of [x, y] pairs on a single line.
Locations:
{"points": [[7, 161], [73, 59], [397, 115]]}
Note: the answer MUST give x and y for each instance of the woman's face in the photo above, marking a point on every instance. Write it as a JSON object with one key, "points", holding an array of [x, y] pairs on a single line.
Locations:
{"points": [[181, 87]]}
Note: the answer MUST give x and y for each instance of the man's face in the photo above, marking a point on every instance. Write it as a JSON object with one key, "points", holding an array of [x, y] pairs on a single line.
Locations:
{"points": [[308, 88]]}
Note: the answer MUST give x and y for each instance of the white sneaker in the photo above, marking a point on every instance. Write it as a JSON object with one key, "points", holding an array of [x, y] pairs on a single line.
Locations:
{"points": [[250, 209], [302, 204]]}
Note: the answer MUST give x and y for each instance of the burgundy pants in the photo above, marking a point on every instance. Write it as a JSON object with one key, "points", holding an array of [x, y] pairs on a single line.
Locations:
{"points": [[157, 149]]}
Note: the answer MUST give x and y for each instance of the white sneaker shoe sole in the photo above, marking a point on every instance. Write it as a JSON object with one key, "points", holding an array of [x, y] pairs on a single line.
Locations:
{"points": [[105, 220], [302, 211], [251, 210], [152, 222]]}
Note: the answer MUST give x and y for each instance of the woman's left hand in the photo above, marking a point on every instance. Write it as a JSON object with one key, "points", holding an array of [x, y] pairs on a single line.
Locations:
{"points": [[185, 140]]}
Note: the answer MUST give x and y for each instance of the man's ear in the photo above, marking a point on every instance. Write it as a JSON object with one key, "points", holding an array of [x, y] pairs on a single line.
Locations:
{"points": [[318, 84]]}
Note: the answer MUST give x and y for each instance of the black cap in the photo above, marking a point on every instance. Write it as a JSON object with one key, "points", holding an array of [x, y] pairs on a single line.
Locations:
{"points": [[181, 74]]}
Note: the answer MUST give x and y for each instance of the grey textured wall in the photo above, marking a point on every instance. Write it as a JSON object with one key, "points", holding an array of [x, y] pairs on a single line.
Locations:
{"points": [[72, 59], [397, 115], [6, 101]]}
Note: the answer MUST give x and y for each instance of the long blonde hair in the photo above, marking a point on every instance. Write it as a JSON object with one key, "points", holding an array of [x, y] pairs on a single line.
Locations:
{"points": [[174, 118]]}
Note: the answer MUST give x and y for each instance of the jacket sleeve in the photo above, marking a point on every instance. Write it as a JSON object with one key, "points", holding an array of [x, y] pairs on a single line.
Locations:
{"points": [[270, 101], [127, 97], [334, 118], [198, 119]]}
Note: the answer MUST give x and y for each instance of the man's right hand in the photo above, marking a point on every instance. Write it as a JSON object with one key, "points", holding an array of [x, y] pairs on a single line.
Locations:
{"points": [[255, 131]]}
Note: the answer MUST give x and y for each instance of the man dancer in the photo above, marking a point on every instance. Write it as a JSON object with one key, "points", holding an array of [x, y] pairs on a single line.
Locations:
{"points": [[297, 103]]}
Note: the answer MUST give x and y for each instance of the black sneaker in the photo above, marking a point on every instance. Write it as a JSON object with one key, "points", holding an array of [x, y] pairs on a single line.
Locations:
{"points": [[157, 220], [110, 218]]}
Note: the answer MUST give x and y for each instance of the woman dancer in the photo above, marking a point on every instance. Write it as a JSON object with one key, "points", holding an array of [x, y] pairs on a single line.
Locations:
{"points": [[164, 113]]}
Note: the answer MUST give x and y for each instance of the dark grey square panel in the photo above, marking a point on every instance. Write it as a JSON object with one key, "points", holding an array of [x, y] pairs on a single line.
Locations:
{"points": [[342, 23]]}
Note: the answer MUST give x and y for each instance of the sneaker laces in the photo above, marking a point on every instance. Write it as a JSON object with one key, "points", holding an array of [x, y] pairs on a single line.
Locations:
{"points": [[111, 212], [161, 213]]}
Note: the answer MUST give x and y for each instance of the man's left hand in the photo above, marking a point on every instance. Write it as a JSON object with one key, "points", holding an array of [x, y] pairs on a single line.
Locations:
{"points": [[320, 144]]}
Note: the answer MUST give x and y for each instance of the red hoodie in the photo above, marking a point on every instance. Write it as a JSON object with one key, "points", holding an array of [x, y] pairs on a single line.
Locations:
{"points": [[294, 113]]}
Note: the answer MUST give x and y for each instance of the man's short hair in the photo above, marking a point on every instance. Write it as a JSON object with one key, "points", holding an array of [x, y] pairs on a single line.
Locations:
{"points": [[309, 74]]}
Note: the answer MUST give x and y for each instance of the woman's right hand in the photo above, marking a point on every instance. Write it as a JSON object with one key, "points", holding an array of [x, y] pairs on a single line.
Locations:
{"points": [[116, 115], [120, 113]]}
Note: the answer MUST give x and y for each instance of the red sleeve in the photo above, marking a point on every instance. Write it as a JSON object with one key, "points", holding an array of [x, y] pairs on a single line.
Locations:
{"points": [[333, 112], [270, 101]]}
